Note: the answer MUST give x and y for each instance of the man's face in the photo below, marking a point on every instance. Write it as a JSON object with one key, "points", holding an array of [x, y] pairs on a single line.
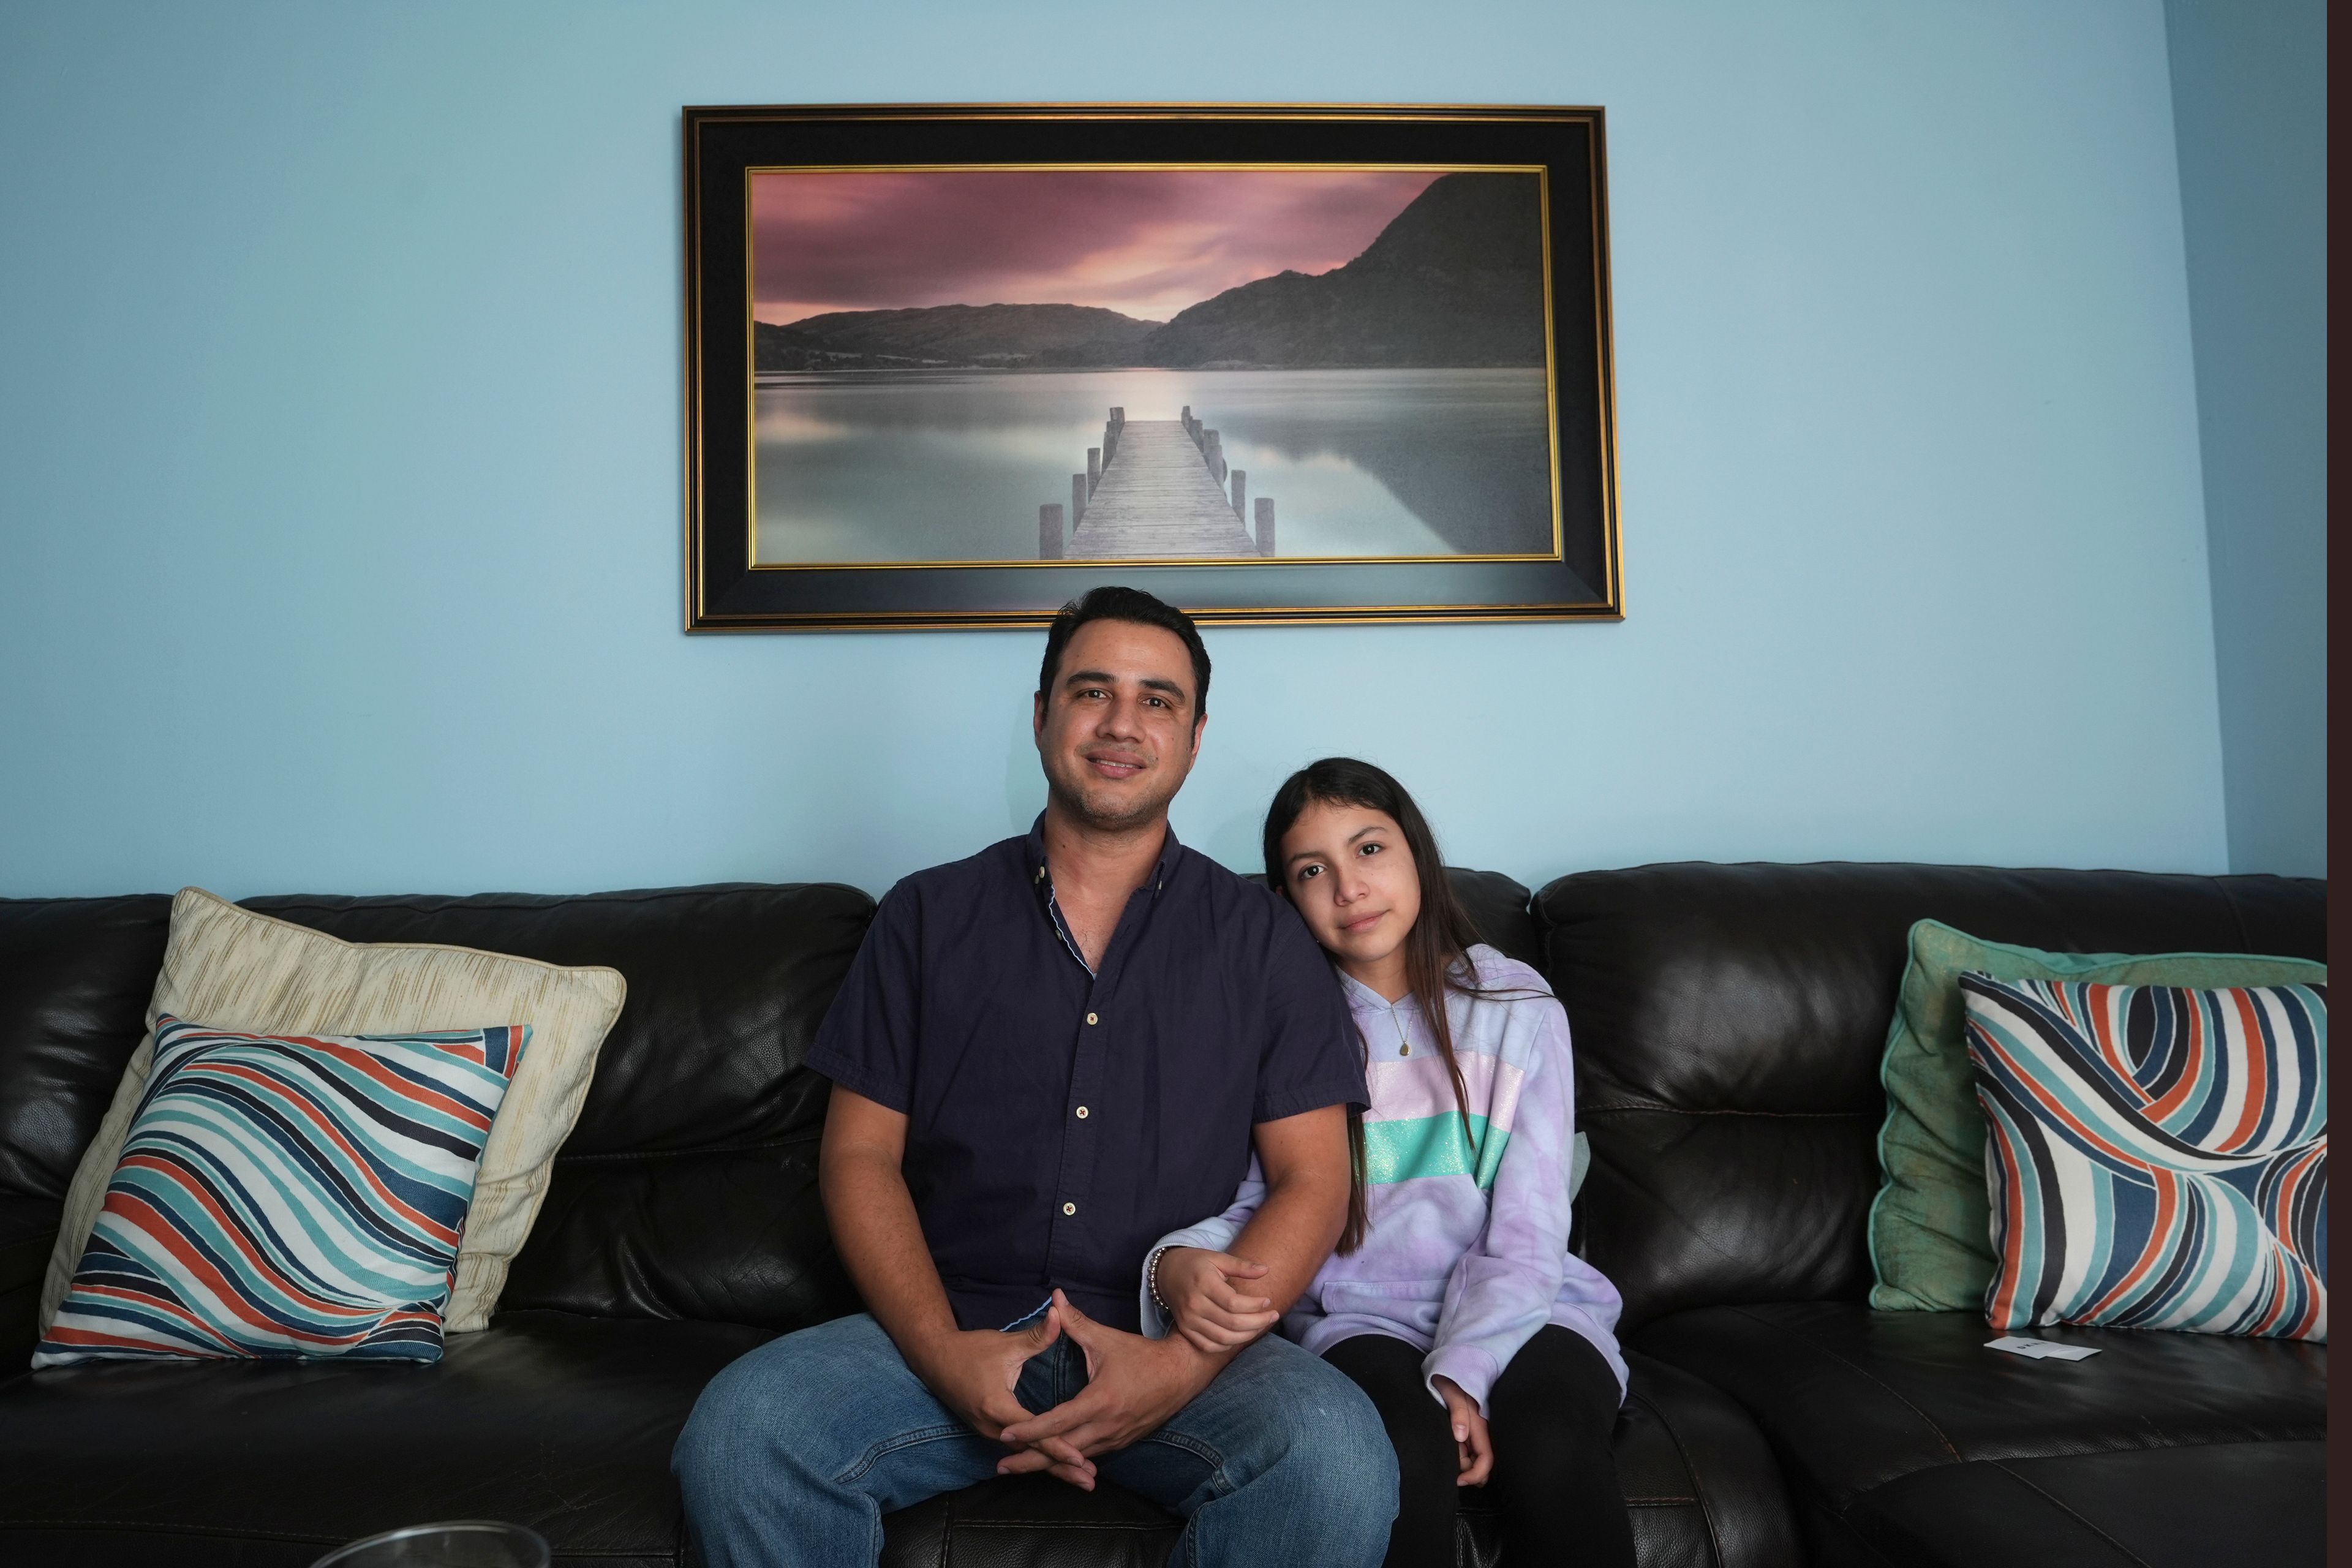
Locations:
{"points": [[1119, 728]]}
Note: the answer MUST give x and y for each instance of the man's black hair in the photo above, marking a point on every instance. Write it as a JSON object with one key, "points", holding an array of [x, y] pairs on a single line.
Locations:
{"points": [[1112, 603]]}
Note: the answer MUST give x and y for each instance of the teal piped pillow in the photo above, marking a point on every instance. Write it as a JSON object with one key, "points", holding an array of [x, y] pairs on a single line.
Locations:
{"points": [[1931, 1224]]}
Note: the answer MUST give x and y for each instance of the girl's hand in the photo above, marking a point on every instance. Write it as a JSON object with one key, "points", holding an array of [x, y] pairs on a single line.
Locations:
{"points": [[1472, 1445], [1205, 1302]]}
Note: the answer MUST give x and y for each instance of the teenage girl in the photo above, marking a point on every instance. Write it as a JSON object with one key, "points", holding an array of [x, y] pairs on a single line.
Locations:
{"points": [[1452, 1298]]}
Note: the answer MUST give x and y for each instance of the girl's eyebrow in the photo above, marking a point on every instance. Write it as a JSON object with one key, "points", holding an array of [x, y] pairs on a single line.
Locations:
{"points": [[1317, 854]]}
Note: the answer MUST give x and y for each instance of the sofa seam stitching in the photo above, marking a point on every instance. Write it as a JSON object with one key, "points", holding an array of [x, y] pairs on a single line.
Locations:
{"points": [[1839, 1517], [1698, 1482], [2054, 1502], [2237, 913]]}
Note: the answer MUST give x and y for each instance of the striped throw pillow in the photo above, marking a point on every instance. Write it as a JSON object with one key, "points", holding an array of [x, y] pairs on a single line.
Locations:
{"points": [[2159, 1156], [288, 1195]]}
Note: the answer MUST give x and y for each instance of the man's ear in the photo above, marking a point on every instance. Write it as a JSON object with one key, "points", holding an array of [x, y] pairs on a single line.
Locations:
{"points": [[1198, 725], [1038, 719]]}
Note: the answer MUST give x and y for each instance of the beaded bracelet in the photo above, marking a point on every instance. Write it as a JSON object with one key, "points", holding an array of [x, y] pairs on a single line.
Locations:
{"points": [[1151, 1281]]}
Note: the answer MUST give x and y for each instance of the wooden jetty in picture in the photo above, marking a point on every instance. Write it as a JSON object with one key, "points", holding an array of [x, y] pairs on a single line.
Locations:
{"points": [[1157, 489]]}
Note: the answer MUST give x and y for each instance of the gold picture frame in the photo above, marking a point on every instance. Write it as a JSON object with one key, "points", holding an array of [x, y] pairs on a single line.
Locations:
{"points": [[871, 427]]}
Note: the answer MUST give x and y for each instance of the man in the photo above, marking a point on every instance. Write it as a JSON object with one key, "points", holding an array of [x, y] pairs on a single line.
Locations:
{"points": [[1044, 1058]]}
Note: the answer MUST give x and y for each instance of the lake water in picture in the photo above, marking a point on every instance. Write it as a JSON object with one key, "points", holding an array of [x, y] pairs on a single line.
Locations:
{"points": [[952, 465]]}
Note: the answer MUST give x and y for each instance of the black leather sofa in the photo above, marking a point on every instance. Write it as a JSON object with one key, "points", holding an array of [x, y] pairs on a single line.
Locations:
{"points": [[1728, 1021]]}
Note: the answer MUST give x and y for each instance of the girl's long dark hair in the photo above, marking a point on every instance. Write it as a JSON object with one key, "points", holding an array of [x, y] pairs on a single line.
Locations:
{"points": [[1436, 950]]}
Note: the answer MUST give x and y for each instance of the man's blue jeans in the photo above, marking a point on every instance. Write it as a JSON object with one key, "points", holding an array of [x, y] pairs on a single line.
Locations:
{"points": [[795, 1452]]}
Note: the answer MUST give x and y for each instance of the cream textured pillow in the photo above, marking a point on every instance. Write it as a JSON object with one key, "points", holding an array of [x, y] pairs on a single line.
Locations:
{"points": [[231, 969]]}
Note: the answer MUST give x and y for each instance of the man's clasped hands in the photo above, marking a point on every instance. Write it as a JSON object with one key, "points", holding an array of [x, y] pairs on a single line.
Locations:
{"points": [[1133, 1385]]}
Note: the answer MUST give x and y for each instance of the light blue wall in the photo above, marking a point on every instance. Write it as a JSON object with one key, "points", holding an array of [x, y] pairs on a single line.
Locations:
{"points": [[2250, 103], [339, 452]]}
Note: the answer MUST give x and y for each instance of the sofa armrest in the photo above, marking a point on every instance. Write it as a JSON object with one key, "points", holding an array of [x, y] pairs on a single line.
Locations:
{"points": [[1701, 1480], [28, 1234]]}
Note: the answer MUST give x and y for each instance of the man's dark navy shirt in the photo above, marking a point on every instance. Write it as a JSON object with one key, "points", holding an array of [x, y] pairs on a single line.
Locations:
{"points": [[1059, 1122]]}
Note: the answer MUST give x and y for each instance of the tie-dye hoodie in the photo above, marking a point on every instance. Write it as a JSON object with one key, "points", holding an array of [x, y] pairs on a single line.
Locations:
{"points": [[1467, 1256]]}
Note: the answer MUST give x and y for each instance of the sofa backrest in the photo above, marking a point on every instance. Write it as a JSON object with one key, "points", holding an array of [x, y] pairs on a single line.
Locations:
{"points": [[74, 977], [687, 1188], [1498, 906], [1728, 1022]]}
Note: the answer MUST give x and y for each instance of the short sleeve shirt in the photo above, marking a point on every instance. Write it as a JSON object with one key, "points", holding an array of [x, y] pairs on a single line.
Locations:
{"points": [[1060, 1121]]}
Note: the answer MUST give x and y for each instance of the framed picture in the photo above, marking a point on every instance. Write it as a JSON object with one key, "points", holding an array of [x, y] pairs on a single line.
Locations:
{"points": [[954, 365]]}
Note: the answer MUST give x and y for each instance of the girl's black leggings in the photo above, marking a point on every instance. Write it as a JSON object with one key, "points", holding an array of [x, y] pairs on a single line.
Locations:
{"points": [[1555, 1479]]}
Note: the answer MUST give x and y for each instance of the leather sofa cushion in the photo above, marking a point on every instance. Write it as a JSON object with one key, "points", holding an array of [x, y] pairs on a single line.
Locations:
{"points": [[29, 1231], [1886, 1422], [1031, 1521], [2141, 1508], [1729, 1023], [1499, 908], [563, 1424], [75, 976]]}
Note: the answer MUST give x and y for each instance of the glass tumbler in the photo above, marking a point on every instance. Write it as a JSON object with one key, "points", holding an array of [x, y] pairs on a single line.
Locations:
{"points": [[459, 1544]]}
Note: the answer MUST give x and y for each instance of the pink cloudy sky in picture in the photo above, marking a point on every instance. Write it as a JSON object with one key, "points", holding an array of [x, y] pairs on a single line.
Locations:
{"points": [[1145, 243]]}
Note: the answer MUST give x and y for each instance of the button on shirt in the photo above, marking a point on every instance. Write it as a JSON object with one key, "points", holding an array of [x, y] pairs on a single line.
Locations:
{"points": [[1060, 1121]]}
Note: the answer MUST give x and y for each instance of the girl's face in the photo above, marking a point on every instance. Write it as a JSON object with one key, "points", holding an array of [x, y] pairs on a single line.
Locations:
{"points": [[1348, 872]]}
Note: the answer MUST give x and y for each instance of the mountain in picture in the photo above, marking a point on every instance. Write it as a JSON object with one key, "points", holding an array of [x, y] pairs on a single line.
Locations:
{"points": [[1454, 280], [1001, 335]]}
